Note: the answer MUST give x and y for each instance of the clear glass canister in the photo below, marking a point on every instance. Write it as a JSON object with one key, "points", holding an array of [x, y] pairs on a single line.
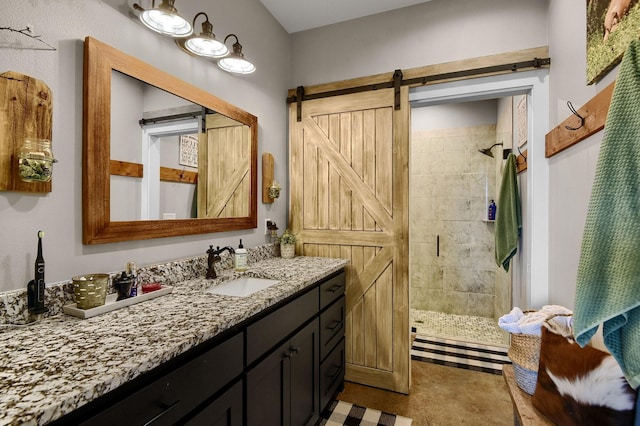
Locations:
{"points": [[35, 160]]}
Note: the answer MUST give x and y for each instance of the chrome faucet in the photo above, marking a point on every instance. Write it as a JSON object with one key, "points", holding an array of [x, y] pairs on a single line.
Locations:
{"points": [[214, 256]]}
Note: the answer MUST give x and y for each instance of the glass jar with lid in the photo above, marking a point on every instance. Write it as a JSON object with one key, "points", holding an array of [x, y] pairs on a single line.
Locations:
{"points": [[35, 160]]}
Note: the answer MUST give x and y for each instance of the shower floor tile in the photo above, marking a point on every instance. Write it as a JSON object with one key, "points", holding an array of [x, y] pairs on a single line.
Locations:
{"points": [[458, 327]]}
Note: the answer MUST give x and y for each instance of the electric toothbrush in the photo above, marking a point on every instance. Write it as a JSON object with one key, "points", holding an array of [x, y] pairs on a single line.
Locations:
{"points": [[35, 288]]}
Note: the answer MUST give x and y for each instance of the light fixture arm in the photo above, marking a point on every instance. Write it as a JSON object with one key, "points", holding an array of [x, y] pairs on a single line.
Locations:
{"points": [[206, 22], [237, 47]]}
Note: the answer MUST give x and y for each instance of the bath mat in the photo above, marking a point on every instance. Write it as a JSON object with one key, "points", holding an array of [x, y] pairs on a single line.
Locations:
{"points": [[344, 413], [459, 354]]}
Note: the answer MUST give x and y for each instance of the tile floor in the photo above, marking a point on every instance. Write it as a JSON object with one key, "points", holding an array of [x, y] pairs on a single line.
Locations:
{"points": [[459, 327]]}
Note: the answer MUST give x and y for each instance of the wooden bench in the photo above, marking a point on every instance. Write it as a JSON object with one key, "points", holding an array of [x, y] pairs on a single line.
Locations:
{"points": [[524, 414]]}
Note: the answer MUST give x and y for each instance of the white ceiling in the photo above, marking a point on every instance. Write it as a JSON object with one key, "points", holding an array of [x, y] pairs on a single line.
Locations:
{"points": [[300, 15]]}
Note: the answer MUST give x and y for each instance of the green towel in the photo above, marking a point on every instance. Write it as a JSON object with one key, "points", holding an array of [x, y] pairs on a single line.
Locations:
{"points": [[508, 216], [608, 284]]}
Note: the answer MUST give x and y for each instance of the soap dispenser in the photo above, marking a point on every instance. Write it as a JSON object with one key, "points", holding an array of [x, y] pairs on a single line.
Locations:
{"points": [[241, 258]]}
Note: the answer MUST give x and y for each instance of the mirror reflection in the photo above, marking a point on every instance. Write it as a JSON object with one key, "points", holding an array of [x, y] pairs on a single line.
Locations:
{"points": [[156, 172]]}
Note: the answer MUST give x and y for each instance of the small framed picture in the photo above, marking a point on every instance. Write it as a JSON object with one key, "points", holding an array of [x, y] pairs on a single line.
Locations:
{"points": [[189, 150], [521, 110]]}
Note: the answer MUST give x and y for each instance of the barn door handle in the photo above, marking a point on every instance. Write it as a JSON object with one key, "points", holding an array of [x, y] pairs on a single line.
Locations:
{"points": [[437, 245]]}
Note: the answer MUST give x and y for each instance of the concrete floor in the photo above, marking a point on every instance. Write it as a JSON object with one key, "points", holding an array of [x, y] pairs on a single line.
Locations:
{"points": [[441, 396]]}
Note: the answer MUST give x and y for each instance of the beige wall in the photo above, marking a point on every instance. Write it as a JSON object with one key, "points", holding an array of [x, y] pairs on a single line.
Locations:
{"points": [[64, 24]]}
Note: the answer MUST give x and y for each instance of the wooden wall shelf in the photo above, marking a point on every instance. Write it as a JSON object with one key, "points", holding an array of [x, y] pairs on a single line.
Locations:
{"points": [[167, 174], [25, 111], [176, 175]]}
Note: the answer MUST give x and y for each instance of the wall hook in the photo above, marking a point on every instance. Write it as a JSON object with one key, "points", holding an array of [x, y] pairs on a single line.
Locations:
{"points": [[524, 158], [573, 110]]}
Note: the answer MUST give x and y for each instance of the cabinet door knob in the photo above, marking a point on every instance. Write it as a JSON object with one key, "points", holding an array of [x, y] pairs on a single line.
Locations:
{"points": [[295, 350], [334, 325]]}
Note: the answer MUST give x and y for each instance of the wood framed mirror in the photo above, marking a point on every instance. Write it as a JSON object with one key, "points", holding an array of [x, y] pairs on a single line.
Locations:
{"points": [[218, 171]]}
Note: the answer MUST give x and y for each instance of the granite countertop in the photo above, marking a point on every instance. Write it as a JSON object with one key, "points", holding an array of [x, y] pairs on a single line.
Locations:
{"points": [[51, 367]]}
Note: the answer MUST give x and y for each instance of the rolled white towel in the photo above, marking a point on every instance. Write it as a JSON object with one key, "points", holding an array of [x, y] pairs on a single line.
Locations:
{"points": [[531, 323], [564, 317], [509, 322]]}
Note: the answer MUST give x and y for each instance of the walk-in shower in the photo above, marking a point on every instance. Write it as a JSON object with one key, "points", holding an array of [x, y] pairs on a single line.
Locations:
{"points": [[456, 289]]}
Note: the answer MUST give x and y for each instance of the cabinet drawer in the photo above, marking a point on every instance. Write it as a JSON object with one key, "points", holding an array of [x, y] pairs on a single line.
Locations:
{"points": [[331, 375], [226, 410], [331, 289], [268, 331], [331, 327], [171, 397]]}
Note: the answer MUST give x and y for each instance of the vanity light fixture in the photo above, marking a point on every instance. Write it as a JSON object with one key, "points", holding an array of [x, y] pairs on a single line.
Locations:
{"points": [[165, 19], [204, 44], [235, 62]]}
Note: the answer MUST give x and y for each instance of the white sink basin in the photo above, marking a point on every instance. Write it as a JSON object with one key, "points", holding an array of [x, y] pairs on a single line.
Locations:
{"points": [[242, 287]]}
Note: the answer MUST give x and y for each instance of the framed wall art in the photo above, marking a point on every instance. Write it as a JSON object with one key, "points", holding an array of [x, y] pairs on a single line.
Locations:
{"points": [[189, 150], [611, 25]]}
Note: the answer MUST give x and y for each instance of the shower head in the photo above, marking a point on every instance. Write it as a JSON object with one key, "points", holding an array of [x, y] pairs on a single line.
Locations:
{"points": [[487, 151]]}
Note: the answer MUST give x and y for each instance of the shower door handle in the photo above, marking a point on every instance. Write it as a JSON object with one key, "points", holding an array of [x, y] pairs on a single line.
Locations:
{"points": [[437, 245]]}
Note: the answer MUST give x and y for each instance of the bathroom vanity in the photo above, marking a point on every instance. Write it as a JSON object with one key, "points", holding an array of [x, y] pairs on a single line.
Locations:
{"points": [[190, 357]]}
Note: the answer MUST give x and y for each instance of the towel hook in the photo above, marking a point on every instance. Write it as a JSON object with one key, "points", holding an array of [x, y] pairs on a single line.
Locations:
{"points": [[573, 110], [524, 158]]}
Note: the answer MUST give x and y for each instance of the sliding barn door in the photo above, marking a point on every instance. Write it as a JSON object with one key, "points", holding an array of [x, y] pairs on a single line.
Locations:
{"points": [[223, 158], [349, 189]]}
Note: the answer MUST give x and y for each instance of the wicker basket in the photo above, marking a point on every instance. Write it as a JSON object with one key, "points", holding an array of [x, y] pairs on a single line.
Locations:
{"points": [[524, 352], [90, 290]]}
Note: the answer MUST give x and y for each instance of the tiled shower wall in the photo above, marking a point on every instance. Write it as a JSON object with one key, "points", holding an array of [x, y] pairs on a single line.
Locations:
{"points": [[451, 184]]}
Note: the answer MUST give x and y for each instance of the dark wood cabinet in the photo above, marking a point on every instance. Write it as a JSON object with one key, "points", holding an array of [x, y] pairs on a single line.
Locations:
{"points": [[282, 389], [280, 367], [177, 393], [226, 410]]}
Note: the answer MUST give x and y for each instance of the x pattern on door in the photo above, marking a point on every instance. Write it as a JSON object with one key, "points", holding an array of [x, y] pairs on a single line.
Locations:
{"points": [[345, 170]]}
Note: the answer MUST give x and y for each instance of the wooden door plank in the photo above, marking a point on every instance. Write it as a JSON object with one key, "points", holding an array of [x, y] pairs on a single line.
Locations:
{"points": [[401, 336], [357, 337], [385, 332], [348, 335], [370, 327], [323, 180], [383, 156], [310, 187], [369, 148], [334, 175], [345, 191]]}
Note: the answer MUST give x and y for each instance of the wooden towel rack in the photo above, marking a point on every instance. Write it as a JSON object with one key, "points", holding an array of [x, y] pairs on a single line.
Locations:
{"points": [[568, 133]]}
